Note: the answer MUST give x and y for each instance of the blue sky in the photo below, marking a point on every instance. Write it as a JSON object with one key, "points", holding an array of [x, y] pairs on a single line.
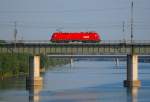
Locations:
{"points": [[38, 19]]}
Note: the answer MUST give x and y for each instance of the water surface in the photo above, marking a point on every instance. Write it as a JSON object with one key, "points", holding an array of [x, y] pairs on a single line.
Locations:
{"points": [[83, 81]]}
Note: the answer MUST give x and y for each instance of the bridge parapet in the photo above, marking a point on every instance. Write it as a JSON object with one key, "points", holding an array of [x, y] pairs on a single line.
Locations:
{"points": [[102, 48], [102, 42]]}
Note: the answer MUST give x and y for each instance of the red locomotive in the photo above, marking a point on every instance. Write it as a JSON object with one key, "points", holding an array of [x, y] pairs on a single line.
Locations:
{"points": [[65, 37]]}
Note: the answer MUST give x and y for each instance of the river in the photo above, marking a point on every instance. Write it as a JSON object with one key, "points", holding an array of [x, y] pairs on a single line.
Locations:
{"points": [[82, 81]]}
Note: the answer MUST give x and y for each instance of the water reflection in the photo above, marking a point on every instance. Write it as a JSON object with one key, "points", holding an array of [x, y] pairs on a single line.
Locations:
{"points": [[86, 81], [34, 93], [133, 93]]}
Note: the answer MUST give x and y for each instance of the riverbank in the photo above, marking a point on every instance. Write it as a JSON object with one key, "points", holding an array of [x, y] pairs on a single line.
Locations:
{"points": [[14, 65]]}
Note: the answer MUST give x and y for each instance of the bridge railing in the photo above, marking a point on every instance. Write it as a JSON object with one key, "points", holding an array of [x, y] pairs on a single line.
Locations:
{"points": [[26, 41], [126, 41], [102, 42]]}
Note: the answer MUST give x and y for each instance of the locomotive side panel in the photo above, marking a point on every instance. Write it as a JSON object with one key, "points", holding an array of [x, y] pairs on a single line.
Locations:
{"points": [[75, 36]]}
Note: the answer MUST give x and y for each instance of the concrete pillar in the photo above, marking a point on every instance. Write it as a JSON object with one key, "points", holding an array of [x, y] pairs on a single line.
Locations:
{"points": [[117, 62], [34, 78], [71, 61], [132, 72]]}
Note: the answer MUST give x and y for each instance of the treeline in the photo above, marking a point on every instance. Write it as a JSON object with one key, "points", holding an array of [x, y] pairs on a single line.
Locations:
{"points": [[18, 64], [13, 64]]}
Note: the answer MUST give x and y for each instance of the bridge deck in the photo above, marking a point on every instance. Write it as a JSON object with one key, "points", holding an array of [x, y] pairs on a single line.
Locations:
{"points": [[103, 48]]}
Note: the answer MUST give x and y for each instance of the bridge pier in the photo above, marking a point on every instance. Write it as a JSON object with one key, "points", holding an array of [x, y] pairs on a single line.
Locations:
{"points": [[132, 71], [34, 79], [71, 61], [117, 62]]}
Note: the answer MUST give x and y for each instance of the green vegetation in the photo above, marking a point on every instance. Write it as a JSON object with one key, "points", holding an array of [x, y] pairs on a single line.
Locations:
{"points": [[13, 64], [47, 62], [17, 64]]}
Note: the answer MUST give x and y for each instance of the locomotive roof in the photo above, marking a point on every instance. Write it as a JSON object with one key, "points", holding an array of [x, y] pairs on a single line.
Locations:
{"points": [[75, 32]]}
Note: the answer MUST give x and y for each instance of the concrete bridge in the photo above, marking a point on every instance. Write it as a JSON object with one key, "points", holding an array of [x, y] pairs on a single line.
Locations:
{"points": [[80, 50]]}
